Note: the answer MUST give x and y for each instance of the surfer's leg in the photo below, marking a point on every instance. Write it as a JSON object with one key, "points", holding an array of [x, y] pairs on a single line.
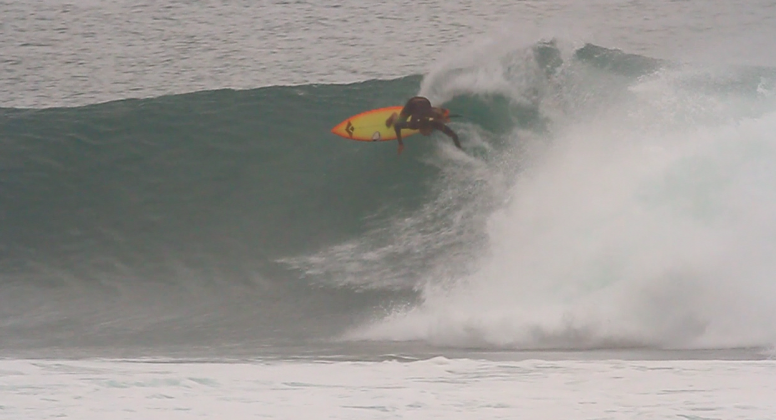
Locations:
{"points": [[389, 122]]}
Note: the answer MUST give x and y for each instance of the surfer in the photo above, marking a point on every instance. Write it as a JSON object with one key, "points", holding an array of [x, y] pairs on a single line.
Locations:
{"points": [[418, 114]]}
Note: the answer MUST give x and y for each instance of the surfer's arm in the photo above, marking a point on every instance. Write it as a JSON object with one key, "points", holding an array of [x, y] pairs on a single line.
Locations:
{"points": [[450, 133], [398, 126]]}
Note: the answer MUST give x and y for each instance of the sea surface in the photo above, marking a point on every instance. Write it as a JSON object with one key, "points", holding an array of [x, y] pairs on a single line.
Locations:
{"points": [[182, 237]]}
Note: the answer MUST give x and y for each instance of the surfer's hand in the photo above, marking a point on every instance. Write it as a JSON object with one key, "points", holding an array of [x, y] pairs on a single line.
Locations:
{"points": [[401, 148]]}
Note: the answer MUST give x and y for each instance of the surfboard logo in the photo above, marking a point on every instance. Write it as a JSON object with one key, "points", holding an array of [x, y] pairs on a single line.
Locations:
{"points": [[350, 129], [376, 136]]}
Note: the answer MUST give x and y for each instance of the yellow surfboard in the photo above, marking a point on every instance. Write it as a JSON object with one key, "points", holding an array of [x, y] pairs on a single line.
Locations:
{"points": [[370, 126]]}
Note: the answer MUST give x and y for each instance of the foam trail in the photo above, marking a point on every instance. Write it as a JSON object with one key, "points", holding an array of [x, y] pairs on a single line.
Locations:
{"points": [[648, 225]]}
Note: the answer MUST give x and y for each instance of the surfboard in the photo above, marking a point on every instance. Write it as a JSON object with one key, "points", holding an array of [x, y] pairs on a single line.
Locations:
{"points": [[370, 126]]}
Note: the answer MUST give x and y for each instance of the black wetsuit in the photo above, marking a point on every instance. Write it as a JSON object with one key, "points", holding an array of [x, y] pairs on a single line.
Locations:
{"points": [[418, 114]]}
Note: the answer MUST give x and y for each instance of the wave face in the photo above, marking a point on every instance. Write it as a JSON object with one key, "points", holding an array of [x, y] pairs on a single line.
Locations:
{"points": [[160, 220], [604, 200]]}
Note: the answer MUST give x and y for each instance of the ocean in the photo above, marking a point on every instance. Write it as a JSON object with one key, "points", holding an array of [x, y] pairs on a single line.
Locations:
{"points": [[182, 237]]}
